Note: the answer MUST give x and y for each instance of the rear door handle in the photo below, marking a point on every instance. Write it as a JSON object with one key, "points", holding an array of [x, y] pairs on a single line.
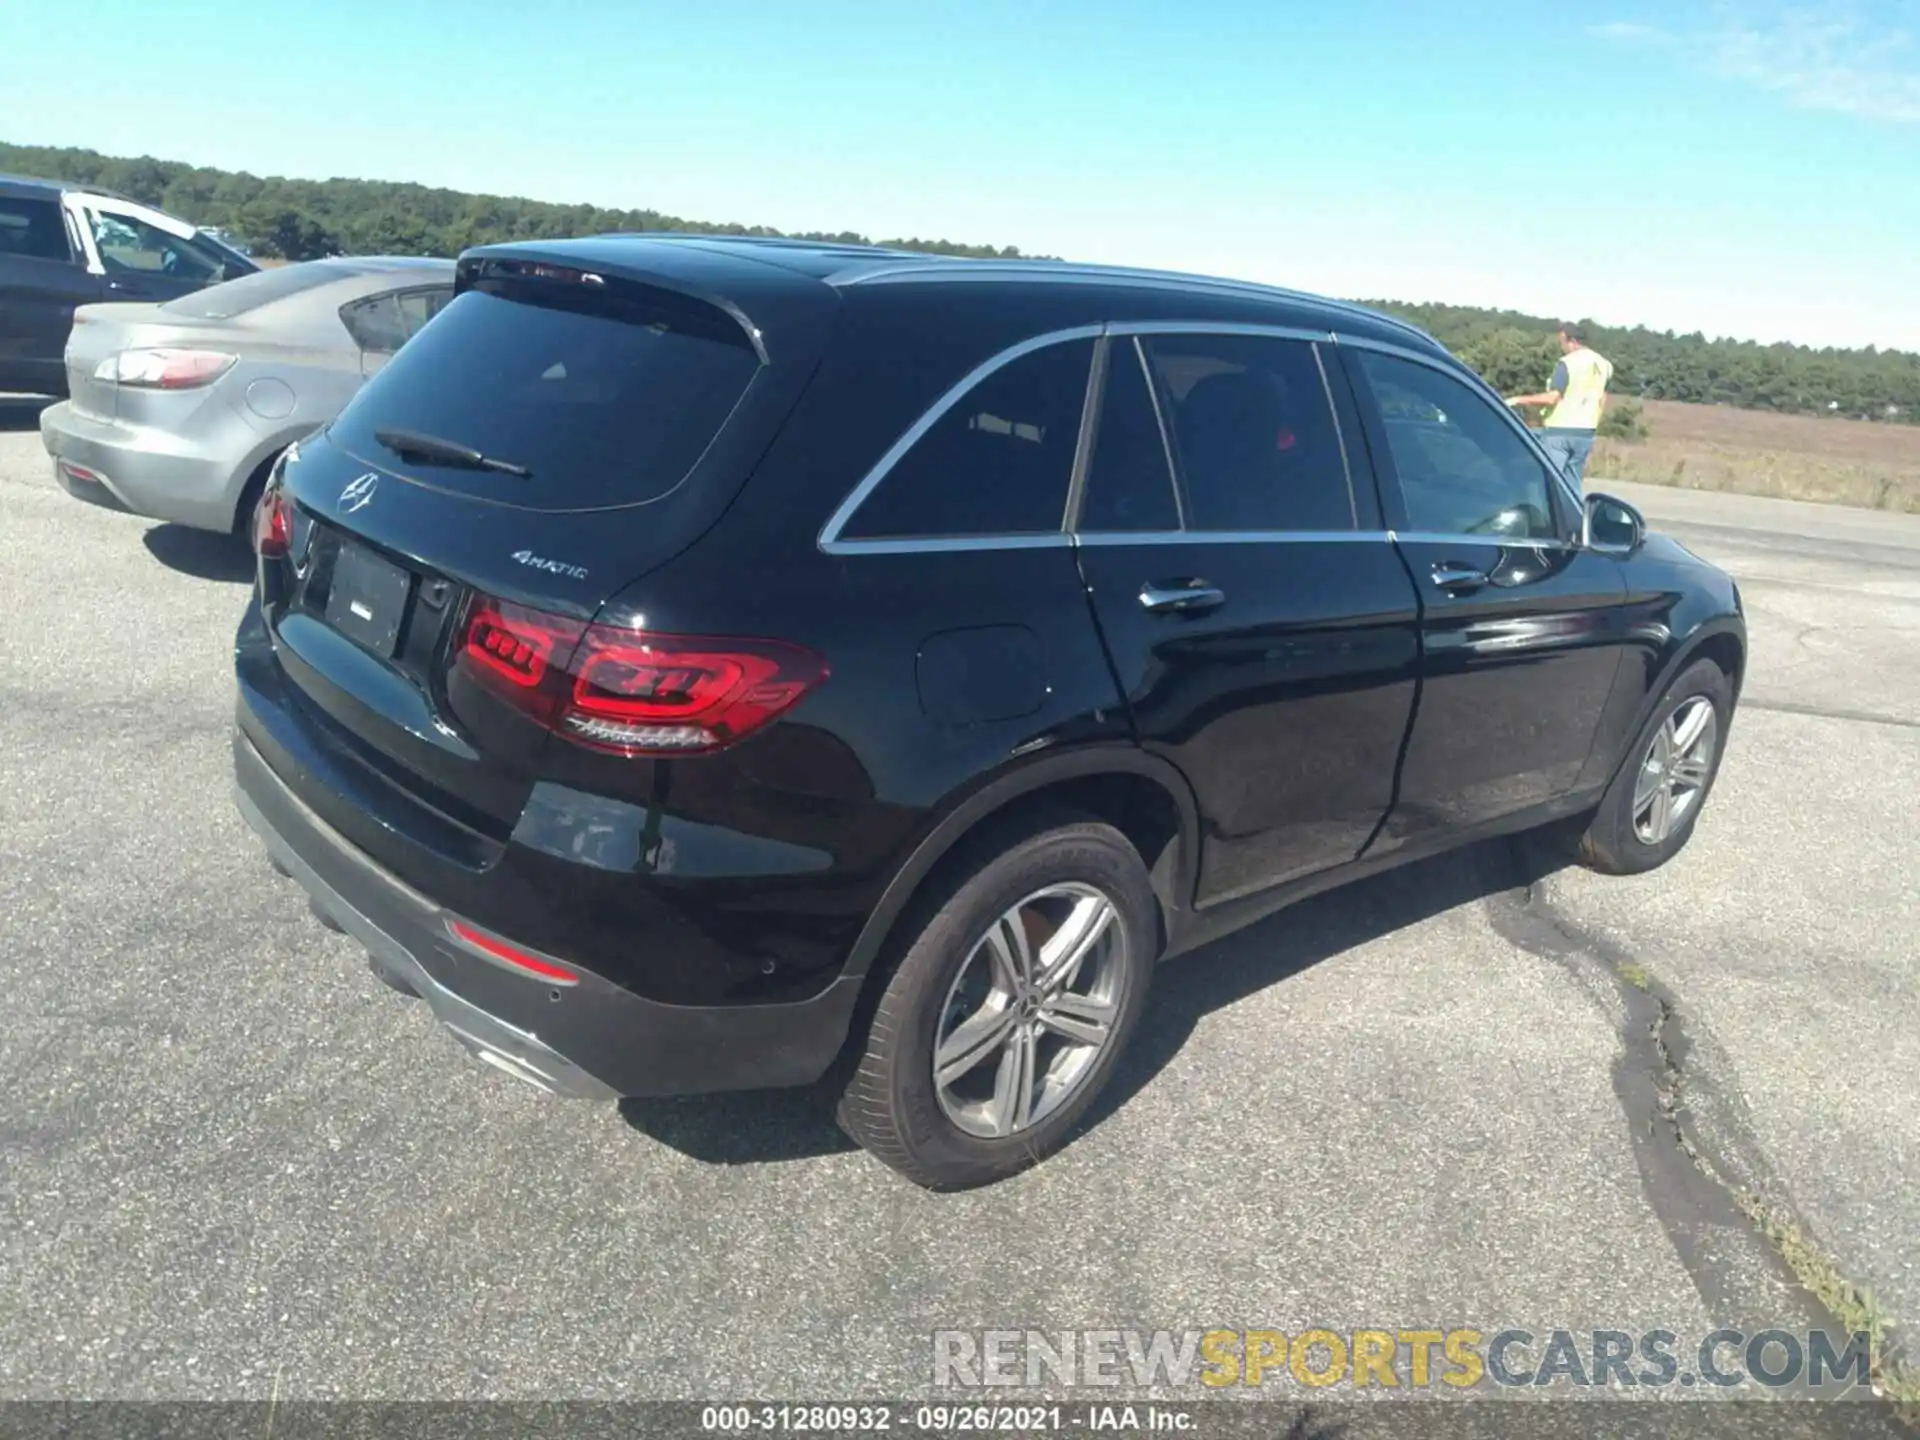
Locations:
{"points": [[1180, 597], [1449, 575]]}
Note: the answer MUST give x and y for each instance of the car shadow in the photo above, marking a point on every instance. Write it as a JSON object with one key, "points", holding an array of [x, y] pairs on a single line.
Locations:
{"points": [[770, 1126], [202, 554], [746, 1127], [1192, 986], [21, 412]]}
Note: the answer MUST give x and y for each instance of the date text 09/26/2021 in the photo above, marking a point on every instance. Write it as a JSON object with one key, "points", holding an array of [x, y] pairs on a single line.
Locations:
{"points": [[942, 1418]]}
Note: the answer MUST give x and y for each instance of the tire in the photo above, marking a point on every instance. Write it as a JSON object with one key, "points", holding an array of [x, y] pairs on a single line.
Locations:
{"points": [[1624, 836], [953, 970]]}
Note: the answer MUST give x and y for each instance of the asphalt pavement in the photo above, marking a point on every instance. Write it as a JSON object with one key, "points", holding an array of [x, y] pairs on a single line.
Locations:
{"points": [[233, 1165]]}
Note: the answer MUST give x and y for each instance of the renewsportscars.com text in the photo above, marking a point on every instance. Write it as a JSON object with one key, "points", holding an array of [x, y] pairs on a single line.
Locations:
{"points": [[1457, 1358]]}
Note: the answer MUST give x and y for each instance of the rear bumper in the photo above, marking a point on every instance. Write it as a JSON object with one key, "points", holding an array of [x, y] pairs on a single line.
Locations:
{"points": [[145, 470], [592, 1040]]}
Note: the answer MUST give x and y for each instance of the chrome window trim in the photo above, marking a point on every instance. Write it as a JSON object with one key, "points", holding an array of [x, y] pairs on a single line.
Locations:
{"points": [[1310, 537], [909, 545], [1229, 537], [1460, 371], [831, 543], [1217, 327], [1504, 542], [829, 539]]}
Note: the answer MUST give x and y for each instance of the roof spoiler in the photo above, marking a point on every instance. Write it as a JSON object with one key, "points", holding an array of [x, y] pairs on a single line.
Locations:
{"points": [[644, 297]]}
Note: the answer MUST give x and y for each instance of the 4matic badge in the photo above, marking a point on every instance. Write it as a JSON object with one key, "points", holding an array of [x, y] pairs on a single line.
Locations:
{"points": [[552, 567]]}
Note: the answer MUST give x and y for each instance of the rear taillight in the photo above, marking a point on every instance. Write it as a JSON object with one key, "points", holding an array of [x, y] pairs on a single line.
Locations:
{"points": [[520, 654], [273, 514], [632, 692], [164, 369], [273, 521]]}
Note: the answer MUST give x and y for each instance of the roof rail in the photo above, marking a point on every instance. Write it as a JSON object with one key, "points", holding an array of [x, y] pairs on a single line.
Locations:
{"points": [[787, 242], [1055, 269], [51, 184]]}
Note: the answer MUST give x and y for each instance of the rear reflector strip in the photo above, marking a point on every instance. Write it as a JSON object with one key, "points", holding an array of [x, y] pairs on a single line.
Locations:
{"points": [[81, 473], [509, 956]]}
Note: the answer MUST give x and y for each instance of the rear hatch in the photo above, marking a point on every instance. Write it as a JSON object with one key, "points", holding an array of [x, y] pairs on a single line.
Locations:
{"points": [[569, 422]]}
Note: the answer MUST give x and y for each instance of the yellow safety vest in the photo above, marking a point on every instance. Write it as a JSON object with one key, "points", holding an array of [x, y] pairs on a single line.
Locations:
{"points": [[1587, 375]]}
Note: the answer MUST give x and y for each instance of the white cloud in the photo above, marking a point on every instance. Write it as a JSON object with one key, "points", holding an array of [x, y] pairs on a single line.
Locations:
{"points": [[1828, 59], [1631, 32], [1830, 56]]}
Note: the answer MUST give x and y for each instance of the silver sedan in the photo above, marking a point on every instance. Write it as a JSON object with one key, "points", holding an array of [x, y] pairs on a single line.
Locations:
{"points": [[177, 411]]}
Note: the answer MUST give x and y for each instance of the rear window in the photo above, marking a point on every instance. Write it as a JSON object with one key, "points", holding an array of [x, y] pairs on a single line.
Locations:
{"points": [[381, 324], [32, 228], [608, 395], [250, 292], [997, 462]]}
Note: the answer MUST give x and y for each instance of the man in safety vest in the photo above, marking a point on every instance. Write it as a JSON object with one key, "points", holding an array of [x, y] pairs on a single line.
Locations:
{"points": [[1578, 396]]}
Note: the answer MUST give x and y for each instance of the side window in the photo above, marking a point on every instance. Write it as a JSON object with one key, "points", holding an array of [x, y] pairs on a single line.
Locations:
{"points": [[128, 245], [419, 306], [1129, 483], [33, 230], [376, 324], [1463, 469], [996, 463], [1253, 433]]}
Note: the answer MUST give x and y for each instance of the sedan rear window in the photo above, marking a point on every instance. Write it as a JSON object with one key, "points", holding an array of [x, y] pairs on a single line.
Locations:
{"points": [[250, 292], [605, 396]]}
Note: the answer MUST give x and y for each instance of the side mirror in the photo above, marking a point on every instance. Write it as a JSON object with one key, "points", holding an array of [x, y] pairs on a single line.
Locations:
{"points": [[1612, 526]]}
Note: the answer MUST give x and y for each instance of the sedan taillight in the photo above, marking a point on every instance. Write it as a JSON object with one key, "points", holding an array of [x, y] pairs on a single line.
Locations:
{"points": [[165, 369], [632, 692]]}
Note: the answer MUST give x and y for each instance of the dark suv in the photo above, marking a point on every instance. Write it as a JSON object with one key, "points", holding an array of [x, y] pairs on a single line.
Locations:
{"points": [[695, 662], [62, 247]]}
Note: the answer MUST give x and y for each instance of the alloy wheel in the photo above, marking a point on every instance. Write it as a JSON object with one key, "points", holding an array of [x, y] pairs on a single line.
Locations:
{"points": [[1031, 1010], [1674, 771]]}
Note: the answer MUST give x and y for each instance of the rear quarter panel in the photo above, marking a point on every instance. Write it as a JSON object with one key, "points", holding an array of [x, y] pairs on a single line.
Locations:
{"points": [[864, 768]]}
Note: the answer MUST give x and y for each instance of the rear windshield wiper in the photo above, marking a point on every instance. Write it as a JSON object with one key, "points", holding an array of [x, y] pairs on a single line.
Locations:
{"points": [[445, 452]]}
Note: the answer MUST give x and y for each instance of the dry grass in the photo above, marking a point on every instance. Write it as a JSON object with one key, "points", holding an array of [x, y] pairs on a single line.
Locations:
{"points": [[1752, 452], [1855, 1308]]}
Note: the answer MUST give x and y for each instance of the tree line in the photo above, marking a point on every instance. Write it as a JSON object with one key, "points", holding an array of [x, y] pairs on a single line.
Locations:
{"points": [[1516, 353], [306, 219]]}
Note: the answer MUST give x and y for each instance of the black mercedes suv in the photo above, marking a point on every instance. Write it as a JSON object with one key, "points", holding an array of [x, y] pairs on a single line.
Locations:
{"points": [[700, 664]]}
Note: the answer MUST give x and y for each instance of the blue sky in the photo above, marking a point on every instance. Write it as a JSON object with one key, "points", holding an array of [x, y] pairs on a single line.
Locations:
{"points": [[1740, 168]]}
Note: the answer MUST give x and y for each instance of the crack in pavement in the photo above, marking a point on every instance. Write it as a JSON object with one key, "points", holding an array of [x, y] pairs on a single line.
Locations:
{"points": [[1703, 1169], [1818, 712], [1849, 550]]}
